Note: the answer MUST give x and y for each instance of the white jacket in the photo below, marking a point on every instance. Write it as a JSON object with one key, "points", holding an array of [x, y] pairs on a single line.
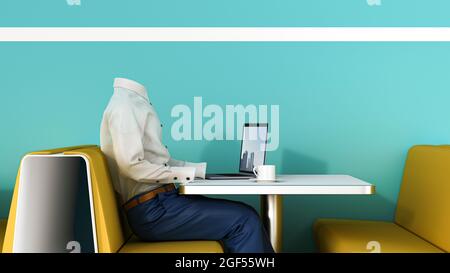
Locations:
{"points": [[131, 139]]}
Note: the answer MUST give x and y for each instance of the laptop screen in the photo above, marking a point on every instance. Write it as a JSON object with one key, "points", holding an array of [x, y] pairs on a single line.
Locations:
{"points": [[253, 146]]}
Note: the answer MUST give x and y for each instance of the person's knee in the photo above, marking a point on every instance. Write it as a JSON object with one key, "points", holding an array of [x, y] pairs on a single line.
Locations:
{"points": [[250, 216]]}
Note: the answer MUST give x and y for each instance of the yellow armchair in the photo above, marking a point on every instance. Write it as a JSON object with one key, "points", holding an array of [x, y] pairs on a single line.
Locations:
{"points": [[2, 232], [112, 232], [422, 221]]}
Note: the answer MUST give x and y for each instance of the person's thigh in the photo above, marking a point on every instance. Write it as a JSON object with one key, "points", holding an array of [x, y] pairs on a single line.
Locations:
{"points": [[193, 217]]}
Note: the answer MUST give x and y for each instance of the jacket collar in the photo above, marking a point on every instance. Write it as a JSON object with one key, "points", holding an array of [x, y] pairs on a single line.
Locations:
{"points": [[132, 86]]}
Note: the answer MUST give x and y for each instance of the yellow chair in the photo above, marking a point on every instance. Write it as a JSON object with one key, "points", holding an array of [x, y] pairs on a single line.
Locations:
{"points": [[112, 232], [2, 232], [422, 221]]}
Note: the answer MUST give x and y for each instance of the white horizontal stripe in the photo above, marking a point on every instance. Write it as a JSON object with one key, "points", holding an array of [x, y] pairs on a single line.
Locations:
{"points": [[226, 34]]}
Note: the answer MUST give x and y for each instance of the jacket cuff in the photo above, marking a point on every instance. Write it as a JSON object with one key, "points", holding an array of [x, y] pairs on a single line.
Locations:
{"points": [[200, 168], [182, 174]]}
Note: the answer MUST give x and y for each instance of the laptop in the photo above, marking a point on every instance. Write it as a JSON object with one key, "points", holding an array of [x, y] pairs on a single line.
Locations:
{"points": [[253, 152]]}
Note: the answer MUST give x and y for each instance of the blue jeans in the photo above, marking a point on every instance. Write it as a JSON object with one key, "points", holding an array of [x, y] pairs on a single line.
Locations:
{"points": [[170, 216]]}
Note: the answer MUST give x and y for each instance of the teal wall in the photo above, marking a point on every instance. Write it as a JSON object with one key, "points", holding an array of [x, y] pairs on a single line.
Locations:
{"points": [[352, 108], [224, 13]]}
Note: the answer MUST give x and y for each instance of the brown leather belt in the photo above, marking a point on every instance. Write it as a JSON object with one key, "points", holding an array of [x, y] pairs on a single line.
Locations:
{"points": [[147, 196]]}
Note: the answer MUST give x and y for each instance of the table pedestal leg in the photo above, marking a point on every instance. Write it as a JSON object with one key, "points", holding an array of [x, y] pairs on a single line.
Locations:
{"points": [[271, 214]]}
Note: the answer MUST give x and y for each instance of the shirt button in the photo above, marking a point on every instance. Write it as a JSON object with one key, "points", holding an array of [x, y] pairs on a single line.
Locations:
{"points": [[161, 125], [166, 147]]}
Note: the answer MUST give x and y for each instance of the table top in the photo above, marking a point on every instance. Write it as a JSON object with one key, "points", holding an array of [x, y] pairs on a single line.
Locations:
{"points": [[285, 184]]}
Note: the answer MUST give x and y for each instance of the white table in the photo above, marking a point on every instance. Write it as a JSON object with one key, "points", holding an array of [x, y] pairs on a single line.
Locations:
{"points": [[271, 193]]}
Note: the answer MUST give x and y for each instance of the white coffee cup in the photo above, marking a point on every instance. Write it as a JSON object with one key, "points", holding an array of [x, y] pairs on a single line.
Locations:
{"points": [[264, 172]]}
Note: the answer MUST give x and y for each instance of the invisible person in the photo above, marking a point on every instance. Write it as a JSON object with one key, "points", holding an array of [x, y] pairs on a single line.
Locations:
{"points": [[143, 173]]}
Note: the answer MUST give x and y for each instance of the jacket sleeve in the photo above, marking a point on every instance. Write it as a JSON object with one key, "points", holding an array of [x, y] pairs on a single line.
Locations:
{"points": [[127, 129], [200, 168]]}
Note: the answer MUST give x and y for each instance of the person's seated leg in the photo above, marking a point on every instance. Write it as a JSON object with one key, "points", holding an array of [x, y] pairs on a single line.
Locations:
{"points": [[191, 217]]}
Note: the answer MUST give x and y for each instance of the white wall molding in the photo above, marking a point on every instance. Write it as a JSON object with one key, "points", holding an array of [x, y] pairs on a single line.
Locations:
{"points": [[225, 34]]}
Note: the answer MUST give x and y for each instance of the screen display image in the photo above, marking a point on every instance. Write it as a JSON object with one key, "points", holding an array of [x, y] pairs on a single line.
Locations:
{"points": [[253, 149]]}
